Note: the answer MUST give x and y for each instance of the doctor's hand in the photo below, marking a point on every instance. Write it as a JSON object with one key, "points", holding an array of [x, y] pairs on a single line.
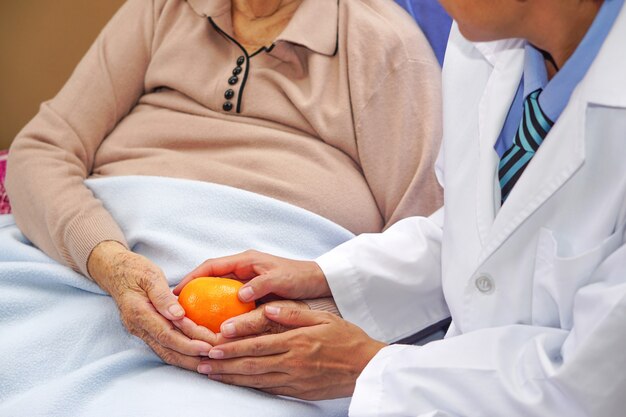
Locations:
{"points": [[320, 358], [147, 307], [265, 274], [255, 322], [250, 324]]}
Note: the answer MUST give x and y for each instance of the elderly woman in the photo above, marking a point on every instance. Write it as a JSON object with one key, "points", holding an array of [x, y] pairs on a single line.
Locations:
{"points": [[306, 101]]}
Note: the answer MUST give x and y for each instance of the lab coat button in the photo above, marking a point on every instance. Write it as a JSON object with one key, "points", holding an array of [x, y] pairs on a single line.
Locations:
{"points": [[485, 284]]}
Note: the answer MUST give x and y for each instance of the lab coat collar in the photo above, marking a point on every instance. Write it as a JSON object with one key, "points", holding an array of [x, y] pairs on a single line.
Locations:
{"points": [[492, 50], [605, 83], [563, 151], [314, 24], [507, 59]]}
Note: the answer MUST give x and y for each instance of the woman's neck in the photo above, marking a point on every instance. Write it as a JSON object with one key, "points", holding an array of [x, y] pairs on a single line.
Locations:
{"points": [[255, 9], [257, 23]]}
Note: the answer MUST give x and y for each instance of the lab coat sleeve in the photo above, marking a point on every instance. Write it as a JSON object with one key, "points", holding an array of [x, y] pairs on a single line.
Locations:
{"points": [[517, 370], [389, 284]]}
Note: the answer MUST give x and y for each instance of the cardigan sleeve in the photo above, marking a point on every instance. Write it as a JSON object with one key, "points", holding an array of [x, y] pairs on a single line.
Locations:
{"points": [[398, 135], [53, 155]]}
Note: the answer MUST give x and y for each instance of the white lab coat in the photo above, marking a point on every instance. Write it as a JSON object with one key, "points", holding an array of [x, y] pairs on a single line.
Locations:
{"points": [[536, 289]]}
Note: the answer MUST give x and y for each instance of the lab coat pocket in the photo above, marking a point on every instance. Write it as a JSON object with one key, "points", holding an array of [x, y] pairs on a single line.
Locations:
{"points": [[559, 276]]}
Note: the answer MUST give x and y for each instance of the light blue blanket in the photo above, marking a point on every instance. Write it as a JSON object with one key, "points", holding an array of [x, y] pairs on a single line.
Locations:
{"points": [[63, 349]]}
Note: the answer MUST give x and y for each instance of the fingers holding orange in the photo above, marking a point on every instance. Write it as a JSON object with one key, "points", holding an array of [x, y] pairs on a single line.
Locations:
{"points": [[210, 301], [242, 266]]}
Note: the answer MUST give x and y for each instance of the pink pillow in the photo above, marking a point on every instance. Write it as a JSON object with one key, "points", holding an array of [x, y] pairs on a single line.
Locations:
{"points": [[5, 207]]}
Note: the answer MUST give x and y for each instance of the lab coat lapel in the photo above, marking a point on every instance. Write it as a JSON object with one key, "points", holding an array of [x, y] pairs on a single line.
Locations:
{"points": [[494, 105], [563, 151], [558, 158]]}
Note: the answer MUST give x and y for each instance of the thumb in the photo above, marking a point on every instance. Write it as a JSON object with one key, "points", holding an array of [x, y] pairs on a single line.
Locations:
{"points": [[162, 298], [291, 317]]}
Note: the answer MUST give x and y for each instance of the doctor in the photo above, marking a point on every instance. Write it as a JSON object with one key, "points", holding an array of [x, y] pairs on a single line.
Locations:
{"points": [[528, 252]]}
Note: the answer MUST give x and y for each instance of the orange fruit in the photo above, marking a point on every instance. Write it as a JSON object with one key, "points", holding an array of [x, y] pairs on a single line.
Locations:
{"points": [[210, 301]]}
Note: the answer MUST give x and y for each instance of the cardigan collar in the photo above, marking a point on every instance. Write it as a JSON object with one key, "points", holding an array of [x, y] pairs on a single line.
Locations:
{"points": [[314, 24]]}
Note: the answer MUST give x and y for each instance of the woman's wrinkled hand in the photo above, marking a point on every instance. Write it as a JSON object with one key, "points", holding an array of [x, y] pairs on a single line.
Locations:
{"points": [[265, 274], [147, 306], [319, 358]]}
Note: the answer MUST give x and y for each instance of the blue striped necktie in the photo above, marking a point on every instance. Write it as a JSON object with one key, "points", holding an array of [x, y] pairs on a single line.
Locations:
{"points": [[532, 130]]}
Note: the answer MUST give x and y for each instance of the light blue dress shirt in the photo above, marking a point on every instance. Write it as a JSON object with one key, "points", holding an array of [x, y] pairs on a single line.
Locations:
{"points": [[557, 92]]}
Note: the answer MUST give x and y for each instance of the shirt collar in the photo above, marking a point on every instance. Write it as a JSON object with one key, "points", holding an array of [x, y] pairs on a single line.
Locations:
{"points": [[557, 92], [314, 24], [210, 8], [535, 72]]}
